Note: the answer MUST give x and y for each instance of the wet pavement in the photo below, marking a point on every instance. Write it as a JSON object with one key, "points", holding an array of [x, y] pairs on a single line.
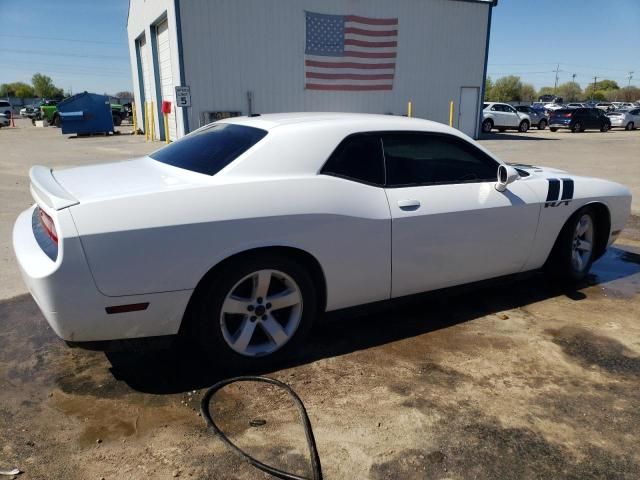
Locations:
{"points": [[520, 380]]}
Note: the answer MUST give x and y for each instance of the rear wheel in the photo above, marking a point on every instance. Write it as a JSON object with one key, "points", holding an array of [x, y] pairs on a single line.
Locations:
{"points": [[56, 120], [573, 253], [255, 312], [542, 125], [577, 127], [604, 127], [523, 127], [629, 126]]}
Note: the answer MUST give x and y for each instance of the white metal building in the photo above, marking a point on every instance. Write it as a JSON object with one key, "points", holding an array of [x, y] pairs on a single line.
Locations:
{"points": [[257, 56]]}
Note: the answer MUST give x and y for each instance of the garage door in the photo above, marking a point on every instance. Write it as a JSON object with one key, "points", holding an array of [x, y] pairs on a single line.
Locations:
{"points": [[166, 76], [146, 72]]}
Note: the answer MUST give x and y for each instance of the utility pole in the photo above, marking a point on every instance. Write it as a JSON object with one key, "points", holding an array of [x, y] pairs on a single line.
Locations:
{"points": [[573, 77], [595, 79], [555, 87], [630, 77]]}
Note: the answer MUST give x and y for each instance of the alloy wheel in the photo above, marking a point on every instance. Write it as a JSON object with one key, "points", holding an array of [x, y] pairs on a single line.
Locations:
{"points": [[261, 313], [582, 244]]}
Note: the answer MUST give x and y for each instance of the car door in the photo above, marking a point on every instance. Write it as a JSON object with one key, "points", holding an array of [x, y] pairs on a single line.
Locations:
{"points": [[449, 223], [511, 116], [635, 115], [498, 115]]}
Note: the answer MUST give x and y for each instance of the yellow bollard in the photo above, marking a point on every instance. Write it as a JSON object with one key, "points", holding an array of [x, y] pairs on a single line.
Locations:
{"points": [[451, 113], [146, 121], [409, 110], [135, 123], [153, 123], [166, 128]]}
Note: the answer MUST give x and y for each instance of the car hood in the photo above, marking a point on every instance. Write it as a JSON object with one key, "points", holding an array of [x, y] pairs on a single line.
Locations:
{"points": [[132, 177], [536, 171]]}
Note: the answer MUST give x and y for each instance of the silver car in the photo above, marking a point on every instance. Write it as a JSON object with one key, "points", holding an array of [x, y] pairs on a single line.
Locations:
{"points": [[627, 119], [538, 118]]}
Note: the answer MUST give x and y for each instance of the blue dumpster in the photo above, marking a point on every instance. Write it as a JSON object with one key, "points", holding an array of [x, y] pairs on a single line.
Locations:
{"points": [[86, 113]]}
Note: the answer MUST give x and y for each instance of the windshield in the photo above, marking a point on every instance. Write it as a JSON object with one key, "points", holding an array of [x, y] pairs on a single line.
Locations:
{"points": [[210, 149]]}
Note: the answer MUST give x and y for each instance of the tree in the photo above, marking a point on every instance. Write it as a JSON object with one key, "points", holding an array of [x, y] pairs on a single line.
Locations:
{"points": [[16, 89], [598, 91], [546, 91], [488, 87], [527, 92], [123, 95], [570, 91], [44, 87], [24, 90], [629, 94], [507, 89]]}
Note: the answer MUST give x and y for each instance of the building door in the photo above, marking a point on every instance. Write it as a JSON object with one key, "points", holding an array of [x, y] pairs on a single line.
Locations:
{"points": [[468, 110], [147, 95], [166, 74]]}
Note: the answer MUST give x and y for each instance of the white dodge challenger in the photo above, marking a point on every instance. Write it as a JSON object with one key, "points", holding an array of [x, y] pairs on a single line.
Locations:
{"points": [[240, 234]]}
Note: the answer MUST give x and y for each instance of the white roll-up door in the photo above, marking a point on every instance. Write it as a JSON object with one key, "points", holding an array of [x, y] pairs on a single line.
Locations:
{"points": [[146, 71], [166, 75]]}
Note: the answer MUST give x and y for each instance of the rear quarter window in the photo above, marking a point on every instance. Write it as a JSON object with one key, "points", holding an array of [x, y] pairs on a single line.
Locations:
{"points": [[211, 148]]}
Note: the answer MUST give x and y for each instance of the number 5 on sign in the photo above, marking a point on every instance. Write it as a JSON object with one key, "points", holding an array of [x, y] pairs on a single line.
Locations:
{"points": [[183, 96]]}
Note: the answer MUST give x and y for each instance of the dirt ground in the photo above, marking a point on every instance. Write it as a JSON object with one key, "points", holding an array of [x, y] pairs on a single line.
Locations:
{"points": [[516, 381]]}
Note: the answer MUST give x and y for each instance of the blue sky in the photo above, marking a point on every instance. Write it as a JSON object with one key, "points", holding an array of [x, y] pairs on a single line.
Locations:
{"points": [[586, 37], [82, 44]]}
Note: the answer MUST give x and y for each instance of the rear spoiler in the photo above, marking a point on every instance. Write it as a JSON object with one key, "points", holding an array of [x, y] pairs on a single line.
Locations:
{"points": [[45, 189]]}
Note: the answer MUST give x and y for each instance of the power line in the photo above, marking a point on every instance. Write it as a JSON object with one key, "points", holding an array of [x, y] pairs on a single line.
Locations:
{"points": [[63, 39], [77, 55]]}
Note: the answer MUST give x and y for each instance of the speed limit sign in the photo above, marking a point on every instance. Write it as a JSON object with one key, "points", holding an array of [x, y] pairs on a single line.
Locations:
{"points": [[183, 96]]}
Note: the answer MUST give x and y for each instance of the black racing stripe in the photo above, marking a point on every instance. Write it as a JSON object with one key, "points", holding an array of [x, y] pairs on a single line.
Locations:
{"points": [[554, 189], [567, 189]]}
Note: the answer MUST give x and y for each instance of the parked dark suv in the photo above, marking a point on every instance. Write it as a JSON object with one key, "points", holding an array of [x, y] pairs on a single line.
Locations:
{"points": [[579, 119]]}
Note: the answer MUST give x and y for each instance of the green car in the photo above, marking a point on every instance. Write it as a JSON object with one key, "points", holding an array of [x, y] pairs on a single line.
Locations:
{"points": [[49, 111]]}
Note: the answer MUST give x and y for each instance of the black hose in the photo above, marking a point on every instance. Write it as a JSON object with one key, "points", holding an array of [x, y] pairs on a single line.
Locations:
{"points": [[311, 443]]}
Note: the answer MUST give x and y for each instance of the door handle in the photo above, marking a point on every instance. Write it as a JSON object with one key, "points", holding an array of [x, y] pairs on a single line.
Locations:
{"points": [[408, 204]]}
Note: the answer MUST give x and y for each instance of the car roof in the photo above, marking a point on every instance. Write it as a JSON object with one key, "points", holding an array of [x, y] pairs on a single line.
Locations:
{"points": [[349, 121]]}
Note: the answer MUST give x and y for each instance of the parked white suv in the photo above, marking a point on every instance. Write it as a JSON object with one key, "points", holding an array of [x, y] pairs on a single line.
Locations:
{"points": [[503, 116], [6, 108]]}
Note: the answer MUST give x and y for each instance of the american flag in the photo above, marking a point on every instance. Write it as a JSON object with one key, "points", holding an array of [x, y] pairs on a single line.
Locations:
{"points": [[350, 53]]}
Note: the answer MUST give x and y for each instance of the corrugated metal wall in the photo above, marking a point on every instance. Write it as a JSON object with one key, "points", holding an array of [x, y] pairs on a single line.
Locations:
{"points": [[234, 46]]}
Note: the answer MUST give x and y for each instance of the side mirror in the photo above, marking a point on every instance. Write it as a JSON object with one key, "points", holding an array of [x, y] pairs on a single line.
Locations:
{"points": [[506, 175]]}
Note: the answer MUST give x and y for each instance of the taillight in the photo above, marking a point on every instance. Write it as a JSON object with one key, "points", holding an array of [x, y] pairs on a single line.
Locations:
{"points": [[47, 223], [567, 115]]}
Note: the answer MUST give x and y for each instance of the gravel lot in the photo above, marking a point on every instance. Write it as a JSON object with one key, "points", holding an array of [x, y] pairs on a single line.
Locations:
{"points": [[525, 380]]}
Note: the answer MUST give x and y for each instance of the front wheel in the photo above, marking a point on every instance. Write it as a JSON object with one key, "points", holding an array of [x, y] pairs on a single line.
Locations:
{"points": [[573, 253], [604, 128], [256, 311], [523, 127], [629, 126], [577, 127], [542, 125], [56, 121], [487, 125]]}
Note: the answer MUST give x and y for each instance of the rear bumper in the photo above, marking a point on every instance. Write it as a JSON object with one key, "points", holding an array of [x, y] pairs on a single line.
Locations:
{"points": [[68, 298]]}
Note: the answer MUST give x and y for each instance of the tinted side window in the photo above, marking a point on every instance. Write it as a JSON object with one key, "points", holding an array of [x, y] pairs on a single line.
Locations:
{"points": [[210, 149], [423, 159], [358, 157]]}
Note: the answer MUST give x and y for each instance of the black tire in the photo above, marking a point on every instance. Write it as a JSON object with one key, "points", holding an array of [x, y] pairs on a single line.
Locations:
{"points": [[502, 129], [577, 127], [559, 265], [553, 129], [523, 127], [629, 126], [117, 120], [542, 124], [605, 127], [56, 121], [487, 125], [205, 326]]}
